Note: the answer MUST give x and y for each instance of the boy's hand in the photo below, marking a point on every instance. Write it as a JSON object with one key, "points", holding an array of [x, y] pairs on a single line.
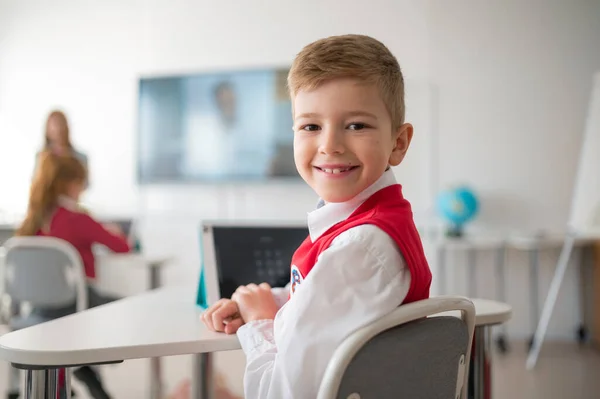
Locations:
{"points": [[223, 316], [255, 302]]}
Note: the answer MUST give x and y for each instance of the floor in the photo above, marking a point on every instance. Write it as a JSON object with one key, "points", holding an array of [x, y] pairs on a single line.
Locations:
{"points": [[564, 370]]}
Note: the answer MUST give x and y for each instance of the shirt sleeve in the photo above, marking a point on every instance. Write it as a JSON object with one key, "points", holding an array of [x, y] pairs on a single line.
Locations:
{"points": [[358, 279], [94, 232], [281, 295]]}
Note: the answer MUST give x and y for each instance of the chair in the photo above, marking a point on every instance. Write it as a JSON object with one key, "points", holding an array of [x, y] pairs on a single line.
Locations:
{"points": [[406, 354], [43, 272]]}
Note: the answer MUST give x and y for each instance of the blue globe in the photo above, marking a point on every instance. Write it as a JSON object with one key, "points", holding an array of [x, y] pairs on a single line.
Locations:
{"points": [[458, 206]]}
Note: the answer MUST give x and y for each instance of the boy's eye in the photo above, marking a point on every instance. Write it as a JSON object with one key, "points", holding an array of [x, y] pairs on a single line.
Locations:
{"points": [[356, 126], [310, 128]]}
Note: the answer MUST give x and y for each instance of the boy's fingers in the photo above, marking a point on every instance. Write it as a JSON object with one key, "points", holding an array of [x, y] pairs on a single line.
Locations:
{"points": [[224, 312], [241, 290], [265, 286], [207, 316], [252, 287], [233, 325]]}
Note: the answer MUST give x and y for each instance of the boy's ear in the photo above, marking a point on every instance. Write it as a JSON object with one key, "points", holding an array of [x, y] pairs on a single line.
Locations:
{"points": [[402, 137]]}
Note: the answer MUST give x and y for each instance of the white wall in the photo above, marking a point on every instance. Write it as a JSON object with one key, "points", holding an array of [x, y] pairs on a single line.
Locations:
{"points": [[513, 83]]}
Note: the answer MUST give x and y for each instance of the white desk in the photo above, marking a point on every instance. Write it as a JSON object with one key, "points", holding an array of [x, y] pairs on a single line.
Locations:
{"points": [[163, 322], [155, 265], [533, 244], [472, 244]]}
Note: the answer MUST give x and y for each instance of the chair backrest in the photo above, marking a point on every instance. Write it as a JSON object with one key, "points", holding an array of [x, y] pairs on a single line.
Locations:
{"points": [[406, 354], [43, 271]]}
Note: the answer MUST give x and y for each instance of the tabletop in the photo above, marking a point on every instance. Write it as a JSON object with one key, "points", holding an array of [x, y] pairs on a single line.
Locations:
{"points": [[163, 322]]}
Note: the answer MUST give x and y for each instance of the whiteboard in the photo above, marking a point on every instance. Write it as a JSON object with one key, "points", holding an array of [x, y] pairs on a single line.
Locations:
{"points": [[585, 208]]}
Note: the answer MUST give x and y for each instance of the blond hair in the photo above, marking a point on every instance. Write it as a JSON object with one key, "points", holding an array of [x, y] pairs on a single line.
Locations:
{"points": [[52, 178], [351, 56]]}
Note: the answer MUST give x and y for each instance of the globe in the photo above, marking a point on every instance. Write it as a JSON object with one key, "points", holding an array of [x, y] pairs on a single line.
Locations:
{"points": [[457, 206]]}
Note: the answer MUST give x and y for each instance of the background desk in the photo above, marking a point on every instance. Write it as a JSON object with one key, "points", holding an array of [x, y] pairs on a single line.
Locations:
{"points": [[166, 322], [533, 245], [472, 245], [154, 266]]}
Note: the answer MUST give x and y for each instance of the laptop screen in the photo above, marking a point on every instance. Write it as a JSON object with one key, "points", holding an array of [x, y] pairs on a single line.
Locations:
{"points": [[247, 255]]}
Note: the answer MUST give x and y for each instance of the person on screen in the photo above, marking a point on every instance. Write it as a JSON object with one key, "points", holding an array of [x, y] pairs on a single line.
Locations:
{"points": [[226, 104], [211, 138], [221, 142]]}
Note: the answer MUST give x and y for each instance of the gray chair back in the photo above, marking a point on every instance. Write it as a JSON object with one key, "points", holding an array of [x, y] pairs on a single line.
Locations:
{"points": [[406, 355], [43, 272]]}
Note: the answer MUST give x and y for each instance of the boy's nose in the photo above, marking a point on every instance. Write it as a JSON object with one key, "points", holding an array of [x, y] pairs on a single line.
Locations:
{"points": [[332, 142]]}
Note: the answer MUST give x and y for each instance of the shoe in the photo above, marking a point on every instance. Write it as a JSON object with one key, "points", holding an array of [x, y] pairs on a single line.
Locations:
{"points": [[12, 395], [91, 379]]}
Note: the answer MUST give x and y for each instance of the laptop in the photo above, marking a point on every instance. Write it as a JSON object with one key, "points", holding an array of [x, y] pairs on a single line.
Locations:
{"points": [[235, 254]]}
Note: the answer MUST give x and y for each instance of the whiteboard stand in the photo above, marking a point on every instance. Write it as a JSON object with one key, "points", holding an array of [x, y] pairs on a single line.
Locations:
{"points": [[583, 218]]}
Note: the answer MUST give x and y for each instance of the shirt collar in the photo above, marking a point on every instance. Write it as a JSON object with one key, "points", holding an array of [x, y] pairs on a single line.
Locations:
{"points": [[67, 203], [328, 214]]}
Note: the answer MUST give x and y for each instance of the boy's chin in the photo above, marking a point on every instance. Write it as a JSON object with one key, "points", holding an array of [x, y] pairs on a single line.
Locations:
{"points": [[333, 196]]}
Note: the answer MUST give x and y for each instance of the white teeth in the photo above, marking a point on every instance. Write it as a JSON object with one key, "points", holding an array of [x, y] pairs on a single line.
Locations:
{"points": [[335, 171]]}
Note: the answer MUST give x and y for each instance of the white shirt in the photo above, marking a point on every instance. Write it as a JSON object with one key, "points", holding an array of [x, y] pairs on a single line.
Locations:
{"points": [[361, 277]]}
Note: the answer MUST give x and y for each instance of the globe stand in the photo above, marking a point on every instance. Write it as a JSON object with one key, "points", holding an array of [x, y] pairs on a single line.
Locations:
{"points": [[455, 232]]}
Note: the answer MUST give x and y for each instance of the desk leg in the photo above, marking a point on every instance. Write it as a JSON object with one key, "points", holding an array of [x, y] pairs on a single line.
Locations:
{"points": [[472, 289], [442, 273], [202, 376], [68, 383], [155, 277], [41, 384], [502, 340], [156, 391], [534, 294], [480, 370], [155, 380]]}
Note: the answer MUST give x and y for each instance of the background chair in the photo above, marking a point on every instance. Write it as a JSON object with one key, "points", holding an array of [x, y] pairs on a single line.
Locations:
{"points": [[42, 272], [406, 354]]}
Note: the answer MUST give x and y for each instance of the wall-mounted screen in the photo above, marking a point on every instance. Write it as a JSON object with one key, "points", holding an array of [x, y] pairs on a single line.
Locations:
{"points": [[215, 127]]}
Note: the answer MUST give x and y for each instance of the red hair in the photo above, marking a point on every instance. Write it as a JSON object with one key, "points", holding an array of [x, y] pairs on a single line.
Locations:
{"points": [[52, 178]]}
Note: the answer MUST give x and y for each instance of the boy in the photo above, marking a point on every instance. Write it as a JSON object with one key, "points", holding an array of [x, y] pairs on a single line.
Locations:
{"points": [[363, 257]]}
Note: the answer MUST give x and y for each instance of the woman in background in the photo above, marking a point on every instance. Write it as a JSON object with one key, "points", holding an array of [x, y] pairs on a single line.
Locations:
{"points": [[57, 139], [52, 211]]}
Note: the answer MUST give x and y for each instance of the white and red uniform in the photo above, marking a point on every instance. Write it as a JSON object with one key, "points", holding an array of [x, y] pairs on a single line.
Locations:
{"points": [[363, 258]]}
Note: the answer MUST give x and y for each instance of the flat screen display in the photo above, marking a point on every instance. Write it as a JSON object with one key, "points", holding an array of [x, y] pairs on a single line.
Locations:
{"points": [[215, 127]]}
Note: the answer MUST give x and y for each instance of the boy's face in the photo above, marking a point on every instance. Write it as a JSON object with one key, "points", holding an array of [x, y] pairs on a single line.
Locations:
{"points": [[343, 138]]}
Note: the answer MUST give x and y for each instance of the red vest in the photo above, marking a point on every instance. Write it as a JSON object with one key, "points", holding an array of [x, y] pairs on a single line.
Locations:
{"points": [[388, 210]]}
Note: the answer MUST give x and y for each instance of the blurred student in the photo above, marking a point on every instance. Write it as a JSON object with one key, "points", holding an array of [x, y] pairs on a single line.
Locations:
{"points": [[57, 139], [52, 211]]}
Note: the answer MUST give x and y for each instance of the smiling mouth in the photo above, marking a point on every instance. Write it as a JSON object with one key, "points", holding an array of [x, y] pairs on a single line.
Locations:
{"points": [[335, 171]]}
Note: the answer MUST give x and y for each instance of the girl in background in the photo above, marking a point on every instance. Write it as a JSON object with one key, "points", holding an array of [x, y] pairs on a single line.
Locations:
{"points": [[52, 211], [57, 138]]}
